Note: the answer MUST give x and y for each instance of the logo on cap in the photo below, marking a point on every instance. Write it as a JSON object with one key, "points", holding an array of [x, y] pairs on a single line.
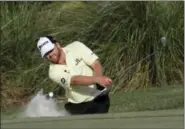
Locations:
{"points": [[43, 44]]}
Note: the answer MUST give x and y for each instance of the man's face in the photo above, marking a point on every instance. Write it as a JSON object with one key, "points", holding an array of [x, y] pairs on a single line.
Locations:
{"points": [[53, 55]]}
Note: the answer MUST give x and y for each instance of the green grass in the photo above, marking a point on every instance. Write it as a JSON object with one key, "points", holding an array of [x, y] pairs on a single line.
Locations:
{"points": [[172, 119], [122, 34], [142, 100], [148, 99]]}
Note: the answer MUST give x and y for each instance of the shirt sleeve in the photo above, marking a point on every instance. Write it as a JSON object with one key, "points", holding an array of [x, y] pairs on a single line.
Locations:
{"points": [[60, 76], [86, 53]]}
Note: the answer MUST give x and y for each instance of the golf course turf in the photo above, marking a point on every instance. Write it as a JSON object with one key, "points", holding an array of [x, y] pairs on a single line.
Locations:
{"points": [[168, 119]]}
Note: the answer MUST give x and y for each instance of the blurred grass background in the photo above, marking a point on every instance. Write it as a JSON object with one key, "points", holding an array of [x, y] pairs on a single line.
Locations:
{"points": [[126, 36]]}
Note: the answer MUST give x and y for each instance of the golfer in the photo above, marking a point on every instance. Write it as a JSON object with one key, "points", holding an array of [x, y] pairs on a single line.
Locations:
{"points": [[77, 69]]}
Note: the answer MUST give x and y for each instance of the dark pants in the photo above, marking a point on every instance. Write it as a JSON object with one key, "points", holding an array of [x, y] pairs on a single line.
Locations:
{"points": [[97, 106]]}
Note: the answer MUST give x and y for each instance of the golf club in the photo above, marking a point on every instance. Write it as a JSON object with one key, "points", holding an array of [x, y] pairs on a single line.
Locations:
{"points": [[163, 40]]}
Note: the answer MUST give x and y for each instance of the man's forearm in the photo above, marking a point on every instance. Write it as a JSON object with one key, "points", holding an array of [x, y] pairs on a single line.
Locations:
{"points": [[97, 68], [88, 80], [83, 80]]}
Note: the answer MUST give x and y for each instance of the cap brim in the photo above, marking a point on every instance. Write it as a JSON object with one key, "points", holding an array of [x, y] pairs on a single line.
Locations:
{"points": [[45, 49]]}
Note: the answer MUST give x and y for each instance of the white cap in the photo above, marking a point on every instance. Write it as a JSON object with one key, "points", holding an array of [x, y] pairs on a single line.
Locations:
{"points": [[44, 45]]}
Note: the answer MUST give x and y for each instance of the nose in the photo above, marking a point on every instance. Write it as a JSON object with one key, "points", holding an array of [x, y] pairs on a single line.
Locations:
{"points": [[51, 55]]}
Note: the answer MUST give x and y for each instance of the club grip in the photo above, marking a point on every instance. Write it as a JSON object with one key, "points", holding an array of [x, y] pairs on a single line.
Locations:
{"points": [[99, 87]]}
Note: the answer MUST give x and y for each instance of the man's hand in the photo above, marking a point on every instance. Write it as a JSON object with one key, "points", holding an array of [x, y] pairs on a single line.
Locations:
{"points": [[98, 74], [103, 81]]}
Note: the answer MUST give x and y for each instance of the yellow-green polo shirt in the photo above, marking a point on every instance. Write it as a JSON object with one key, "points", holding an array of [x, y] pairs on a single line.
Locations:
{"points": [[78, 59]]}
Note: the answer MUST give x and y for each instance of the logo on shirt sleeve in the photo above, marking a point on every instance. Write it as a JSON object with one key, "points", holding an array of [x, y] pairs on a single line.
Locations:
{"points": [[78, 61], [63, 80]]}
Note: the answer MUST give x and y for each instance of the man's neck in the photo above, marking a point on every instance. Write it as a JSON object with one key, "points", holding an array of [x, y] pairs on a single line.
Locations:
{"points": [[62, 60]]}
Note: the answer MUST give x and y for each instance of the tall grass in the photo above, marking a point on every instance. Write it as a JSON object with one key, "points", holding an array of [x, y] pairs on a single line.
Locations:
{"points": [[125, 35], [132, 31]]}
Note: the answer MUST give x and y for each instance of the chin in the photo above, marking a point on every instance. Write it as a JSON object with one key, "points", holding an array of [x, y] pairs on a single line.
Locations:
{"points": [[55, 61]]}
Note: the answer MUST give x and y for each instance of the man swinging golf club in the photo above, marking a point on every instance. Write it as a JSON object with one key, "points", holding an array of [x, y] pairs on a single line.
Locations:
{"points": [[77, 69]]}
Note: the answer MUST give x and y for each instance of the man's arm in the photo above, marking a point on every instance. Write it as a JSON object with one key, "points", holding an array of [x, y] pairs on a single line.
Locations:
{"points": [[97, 68], [90, 58], [89, 80], [83, 80], [65, 79]]}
